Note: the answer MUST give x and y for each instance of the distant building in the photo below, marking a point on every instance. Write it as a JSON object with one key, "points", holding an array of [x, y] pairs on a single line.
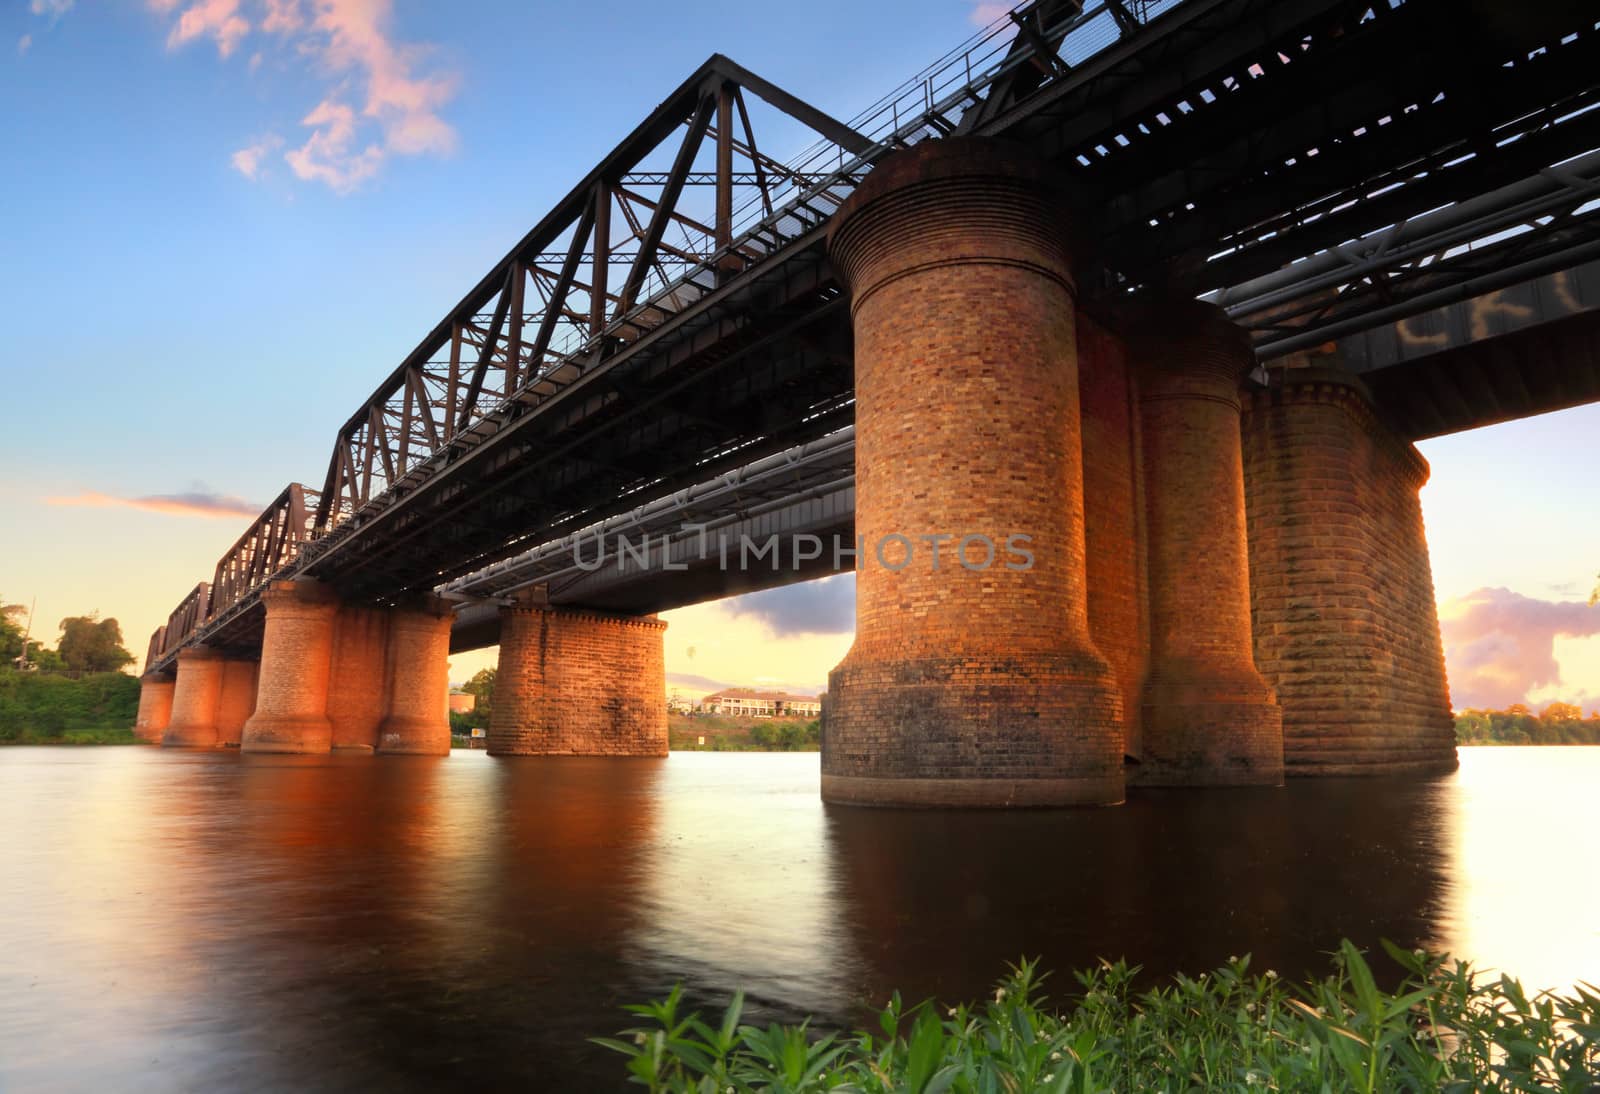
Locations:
{"points": [[677, 704], [750, 703], [462, 702]]}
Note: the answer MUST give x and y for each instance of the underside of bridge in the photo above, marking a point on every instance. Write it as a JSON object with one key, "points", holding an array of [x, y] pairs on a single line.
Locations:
{"points": [[995, 280]]}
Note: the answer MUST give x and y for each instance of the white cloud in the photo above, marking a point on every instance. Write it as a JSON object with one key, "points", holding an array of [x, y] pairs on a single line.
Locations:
{"points": [[55, 9], [24, 42], [247, 160]]}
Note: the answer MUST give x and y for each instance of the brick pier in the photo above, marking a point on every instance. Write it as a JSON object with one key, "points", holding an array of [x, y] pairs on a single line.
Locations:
{"points": [[1342, 595], [967, 686], [579, 683]]}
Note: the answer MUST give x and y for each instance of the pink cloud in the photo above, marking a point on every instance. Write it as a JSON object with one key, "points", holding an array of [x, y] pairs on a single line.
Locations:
{"points": [[283, 17], [987, 11], [378, 103], [247, 160], [216, 19], [194, 504], [405, 105], [1500, 646], [329, 154]]}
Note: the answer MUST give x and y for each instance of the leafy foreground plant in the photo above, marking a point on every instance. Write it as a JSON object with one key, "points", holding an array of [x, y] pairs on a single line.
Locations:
{"points": [[1445, 1028]]}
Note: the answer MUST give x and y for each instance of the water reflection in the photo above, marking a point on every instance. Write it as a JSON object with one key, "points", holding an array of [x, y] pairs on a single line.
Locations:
{"points": [[1176, 880], [174, 921]]}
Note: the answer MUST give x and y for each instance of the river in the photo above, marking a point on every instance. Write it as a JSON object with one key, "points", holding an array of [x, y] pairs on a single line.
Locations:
{"points": [[210, 921]]}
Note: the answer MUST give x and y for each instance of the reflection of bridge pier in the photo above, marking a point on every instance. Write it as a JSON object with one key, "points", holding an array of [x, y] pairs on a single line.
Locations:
{"points": [[1175, 879]]}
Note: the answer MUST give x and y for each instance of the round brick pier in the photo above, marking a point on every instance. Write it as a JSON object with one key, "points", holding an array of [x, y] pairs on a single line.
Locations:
{"points": [[194, 699], [969, 685], [1208, 717], [419, 682], [292, 694]]}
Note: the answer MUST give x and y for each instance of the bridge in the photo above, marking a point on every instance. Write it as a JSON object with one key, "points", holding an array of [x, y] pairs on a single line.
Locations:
{"points": [[1153, 295]]}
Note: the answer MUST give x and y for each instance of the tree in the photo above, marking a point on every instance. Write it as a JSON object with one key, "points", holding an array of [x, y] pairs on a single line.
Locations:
{"points": [[91, 644], [12, 617], [481, 686], [1560, 712]]}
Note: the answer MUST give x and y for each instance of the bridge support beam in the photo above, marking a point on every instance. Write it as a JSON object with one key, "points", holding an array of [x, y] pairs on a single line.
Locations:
{"points": [[1208, 716], [1342, 598], [194, 699], [417, 719], [155, 706], [579, 683], [292, 701], [973, 682]]}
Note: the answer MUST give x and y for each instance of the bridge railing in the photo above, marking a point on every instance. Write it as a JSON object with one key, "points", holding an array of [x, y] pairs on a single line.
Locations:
{"points": [[272, 542], [189, 616]]}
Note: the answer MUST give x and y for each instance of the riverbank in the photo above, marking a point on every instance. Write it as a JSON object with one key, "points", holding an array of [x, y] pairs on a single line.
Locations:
{"points": [[76, 737], [41, 708], [1443, 1027], [723, 733]]}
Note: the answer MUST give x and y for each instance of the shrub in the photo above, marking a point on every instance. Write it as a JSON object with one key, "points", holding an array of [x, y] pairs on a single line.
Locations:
{"points": [[1444, 1028]]}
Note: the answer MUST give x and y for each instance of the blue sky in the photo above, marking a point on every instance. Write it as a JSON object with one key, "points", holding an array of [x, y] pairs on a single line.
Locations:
{"points": [[199, 285]]}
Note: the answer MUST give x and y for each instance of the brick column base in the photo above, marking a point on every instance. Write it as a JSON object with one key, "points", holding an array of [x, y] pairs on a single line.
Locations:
{"points": [[578, 683], [419, 682], [1342, 599], [155, 706], [194, 699], [956, 731], [292, 697]]}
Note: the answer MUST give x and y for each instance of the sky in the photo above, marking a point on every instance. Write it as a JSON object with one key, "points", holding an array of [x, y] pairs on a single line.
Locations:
{"points": [[223, 222]]}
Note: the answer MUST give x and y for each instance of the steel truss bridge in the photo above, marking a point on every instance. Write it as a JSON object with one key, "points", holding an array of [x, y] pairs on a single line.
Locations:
{"points": [[1321, 168]]}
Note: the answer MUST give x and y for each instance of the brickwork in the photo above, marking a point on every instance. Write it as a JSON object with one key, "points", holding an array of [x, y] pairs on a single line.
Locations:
{"points": [[155, 706], [967, 687], [194, 699], [296, 651], [579, 684], [236, 699], [1342, 600], [416, 719], [1113, 524], [1209, 718], [358, 676]]}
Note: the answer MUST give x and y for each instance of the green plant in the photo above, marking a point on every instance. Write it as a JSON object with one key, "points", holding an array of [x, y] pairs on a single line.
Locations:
{"points": [[1444, 1028]]}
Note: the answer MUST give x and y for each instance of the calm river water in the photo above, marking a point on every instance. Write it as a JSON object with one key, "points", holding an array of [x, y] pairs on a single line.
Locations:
{"points": [[206, 921]]}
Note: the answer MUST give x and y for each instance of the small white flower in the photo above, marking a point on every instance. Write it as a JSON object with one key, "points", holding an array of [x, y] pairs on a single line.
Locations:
{"points": [[1047, 1078], [1249, 1008], [999, 995], [639, 1038], [1055, 1056], [1271, 975], [1232, 959]]}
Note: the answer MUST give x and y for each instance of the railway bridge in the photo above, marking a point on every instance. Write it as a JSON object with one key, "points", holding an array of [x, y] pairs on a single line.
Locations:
{"points": [[1135, 310]]}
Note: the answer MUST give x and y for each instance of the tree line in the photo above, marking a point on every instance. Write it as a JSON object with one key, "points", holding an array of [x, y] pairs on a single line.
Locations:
{"points": [[1556, 724], [86, 644]]}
